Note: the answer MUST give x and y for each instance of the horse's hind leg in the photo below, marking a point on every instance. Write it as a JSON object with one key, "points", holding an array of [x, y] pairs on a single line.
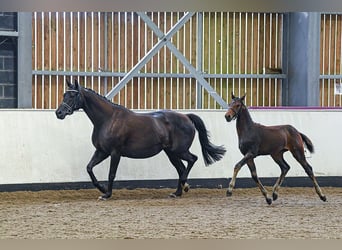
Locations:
{"points": [[300, 157], [191, 159], [178, 164], [252, 169], [284, 167]]}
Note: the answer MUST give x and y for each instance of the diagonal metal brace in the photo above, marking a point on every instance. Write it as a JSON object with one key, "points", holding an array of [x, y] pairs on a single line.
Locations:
{"points": [[186, 63], [162, 42]]}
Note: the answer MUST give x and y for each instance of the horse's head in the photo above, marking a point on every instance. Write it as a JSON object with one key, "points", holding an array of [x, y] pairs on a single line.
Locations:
{"points": [[234, 108], [71, 100]]}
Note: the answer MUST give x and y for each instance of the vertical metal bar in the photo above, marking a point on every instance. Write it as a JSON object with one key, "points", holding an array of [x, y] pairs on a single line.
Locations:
{"points": [[119, 49], [24, 65], [57, 53], [190, 60], [329, 61], [221, 53], [64, 43], [199, 57], [270, 61], [35, 59], [42, 58], [85, 46], [145, 80], [105, 44], [78, 42], [252, 58], [132, 52], [184, 52], [139, 47], [228, 50], [239, 52], [125, 57], [113, 52], [50, 47], [246, 53], [233, 53], [99, 50], [340, 66], [276, 59], [177, 67], [71, 42], [264, 60], [92, 49], [323, 59], [335, 48]]}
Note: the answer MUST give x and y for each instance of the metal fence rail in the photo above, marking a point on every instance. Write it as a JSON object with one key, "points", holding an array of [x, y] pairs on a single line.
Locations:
{"points": [[234, 52]]}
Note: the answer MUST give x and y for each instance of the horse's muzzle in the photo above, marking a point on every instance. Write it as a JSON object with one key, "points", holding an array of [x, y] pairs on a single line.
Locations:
{"points": [[228, 118], [60, 114]]}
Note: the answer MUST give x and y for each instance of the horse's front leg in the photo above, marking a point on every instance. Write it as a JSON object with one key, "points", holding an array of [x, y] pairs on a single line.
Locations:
{"points": [[98, 157], [251, 166], [114, 162], [237, 168]]}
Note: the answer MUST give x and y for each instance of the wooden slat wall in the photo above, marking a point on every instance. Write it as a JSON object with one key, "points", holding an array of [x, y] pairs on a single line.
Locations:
{"points": [[331, 53], [233, 43]]}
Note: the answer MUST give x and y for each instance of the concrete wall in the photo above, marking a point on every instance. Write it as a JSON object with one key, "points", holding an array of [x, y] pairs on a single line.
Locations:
{"points": [[35, 147]]}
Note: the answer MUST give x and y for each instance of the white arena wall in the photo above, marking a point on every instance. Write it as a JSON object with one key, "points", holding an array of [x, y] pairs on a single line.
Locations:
{"points": [[36, 147]]}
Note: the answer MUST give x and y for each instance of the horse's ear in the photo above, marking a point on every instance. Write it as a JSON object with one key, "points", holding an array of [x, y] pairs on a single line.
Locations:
{"points": [[76, 84], [233, 96], [68, 83], [243, 97]]}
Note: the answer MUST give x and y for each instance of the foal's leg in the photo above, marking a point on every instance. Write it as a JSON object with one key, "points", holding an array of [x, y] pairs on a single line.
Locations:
{"points": [[114, 162], [252, 168], [178, 164], [300, 157], [284, 167], [96, 159], [237, 168]]}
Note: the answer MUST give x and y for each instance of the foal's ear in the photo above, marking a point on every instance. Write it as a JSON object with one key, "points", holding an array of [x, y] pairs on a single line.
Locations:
{"points": [[243, 97], [68, 83], [233, 96]]}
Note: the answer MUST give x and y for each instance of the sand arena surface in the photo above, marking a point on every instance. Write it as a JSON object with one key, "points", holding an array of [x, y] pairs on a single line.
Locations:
{"points": [[149, 213]]}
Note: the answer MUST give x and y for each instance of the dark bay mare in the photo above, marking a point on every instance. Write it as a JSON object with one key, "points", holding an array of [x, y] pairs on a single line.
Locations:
{"points": [[119, 131], [256, 139]]}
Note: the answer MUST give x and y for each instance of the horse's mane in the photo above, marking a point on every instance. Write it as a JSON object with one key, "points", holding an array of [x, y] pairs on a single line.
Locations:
{"points": [[105, 99]]}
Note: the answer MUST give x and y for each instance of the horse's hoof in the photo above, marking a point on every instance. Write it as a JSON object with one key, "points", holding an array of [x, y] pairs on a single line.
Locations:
{"points": [[101, 198], [323, 198], [186, 187], [174, 195], [275, 196], [229, 193], [269, 201]]}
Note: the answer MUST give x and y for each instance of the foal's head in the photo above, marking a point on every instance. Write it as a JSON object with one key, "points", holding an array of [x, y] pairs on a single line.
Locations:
{"points": [[234, 108], [71, 100]]}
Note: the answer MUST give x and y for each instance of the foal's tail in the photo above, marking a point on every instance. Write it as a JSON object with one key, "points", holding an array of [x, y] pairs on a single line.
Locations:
{"points": [[211, 153], [307, 142]]}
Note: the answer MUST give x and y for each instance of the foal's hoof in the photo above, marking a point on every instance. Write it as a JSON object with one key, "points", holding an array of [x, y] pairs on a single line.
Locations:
{"points": [[186, 187], [275, 196], [269, 201], [323, 198]]}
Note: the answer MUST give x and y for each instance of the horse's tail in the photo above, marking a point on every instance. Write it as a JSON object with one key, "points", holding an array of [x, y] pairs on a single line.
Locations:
{"points": [[210, 152], [307, 142]]}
